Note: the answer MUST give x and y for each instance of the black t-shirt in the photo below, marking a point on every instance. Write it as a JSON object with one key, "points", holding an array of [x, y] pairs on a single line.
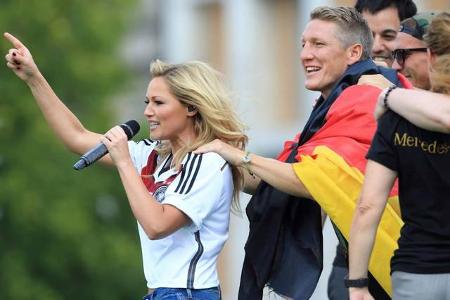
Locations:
{"points": [[421, 159]]}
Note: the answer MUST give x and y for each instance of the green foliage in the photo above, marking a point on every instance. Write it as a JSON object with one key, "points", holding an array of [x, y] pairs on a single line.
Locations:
{"points": [[64, 234]]}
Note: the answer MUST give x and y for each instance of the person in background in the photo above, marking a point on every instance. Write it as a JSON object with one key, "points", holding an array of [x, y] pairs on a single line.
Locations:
{"points": [[384, 17], [180, 200], [324, 163], [424, 109], [415, 70], [410, 52], [420, 158]]}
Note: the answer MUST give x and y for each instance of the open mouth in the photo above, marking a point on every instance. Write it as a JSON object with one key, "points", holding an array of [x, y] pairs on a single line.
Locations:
{"points": [[153, 125], [312, 69], [381, 58]]}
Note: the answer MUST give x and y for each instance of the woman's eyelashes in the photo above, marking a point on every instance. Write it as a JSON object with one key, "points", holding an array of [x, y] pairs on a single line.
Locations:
{"points": [[153, 101]]}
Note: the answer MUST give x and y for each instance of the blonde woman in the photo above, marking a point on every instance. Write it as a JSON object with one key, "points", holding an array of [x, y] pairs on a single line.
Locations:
{"points": [[420, 158], [180, 200]]}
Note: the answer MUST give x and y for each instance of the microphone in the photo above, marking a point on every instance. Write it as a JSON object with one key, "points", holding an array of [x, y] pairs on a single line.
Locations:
{"points": [[131, 128]]}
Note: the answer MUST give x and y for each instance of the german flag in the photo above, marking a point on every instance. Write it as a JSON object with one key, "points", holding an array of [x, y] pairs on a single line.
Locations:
{"points": [[329, 158], [331, 166]]}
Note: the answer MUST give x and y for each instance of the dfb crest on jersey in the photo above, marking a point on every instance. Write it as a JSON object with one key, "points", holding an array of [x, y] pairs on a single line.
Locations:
{"points": [[160, 193]]}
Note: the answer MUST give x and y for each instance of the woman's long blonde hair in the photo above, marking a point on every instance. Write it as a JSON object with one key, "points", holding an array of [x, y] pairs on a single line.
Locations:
{"points": [[198, 85], [438, 41]]}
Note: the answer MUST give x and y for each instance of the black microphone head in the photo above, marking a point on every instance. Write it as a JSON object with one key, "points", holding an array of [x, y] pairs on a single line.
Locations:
{"points": [[131, 128]]}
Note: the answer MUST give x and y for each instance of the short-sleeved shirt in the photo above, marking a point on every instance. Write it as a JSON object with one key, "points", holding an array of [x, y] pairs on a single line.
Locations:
{"points": [[203, 190], [421, 159]]}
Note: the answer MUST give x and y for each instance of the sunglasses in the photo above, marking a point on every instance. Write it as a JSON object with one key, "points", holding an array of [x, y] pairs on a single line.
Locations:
{"points": [[400, 55]]}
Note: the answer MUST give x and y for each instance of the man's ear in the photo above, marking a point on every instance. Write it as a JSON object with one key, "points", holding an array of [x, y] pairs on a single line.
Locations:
{"points": [[431, 57], [354, 53]]}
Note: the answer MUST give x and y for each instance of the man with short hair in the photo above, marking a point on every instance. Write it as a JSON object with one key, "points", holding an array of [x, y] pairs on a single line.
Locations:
{"points": [[384, 17], [410, 54], [324, 163]]}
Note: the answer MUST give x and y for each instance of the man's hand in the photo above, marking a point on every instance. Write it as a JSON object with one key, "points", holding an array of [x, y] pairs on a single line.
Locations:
{"points": [[376, 80], [379, 81], [229, 153]]}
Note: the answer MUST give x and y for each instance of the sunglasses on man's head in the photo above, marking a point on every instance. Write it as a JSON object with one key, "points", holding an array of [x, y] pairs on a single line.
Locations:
{"points": [[400, 55]]}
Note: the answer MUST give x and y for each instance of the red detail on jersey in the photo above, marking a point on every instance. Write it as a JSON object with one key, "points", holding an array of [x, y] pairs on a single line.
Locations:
{"points": [[149, 179]]}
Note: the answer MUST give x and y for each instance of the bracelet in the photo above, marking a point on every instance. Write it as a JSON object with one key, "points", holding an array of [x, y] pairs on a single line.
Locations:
{"points": [[356, 283], [386, 95]]}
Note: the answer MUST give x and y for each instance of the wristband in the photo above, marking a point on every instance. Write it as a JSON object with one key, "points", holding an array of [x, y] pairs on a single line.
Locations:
{"points": [[386, 95], [356, 283]]}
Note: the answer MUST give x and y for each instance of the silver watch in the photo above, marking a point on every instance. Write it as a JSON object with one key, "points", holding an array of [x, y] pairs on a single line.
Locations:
{"points": [[246, 158]]}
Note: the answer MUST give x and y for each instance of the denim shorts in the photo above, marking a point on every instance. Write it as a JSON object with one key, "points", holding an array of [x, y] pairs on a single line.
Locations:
{"points": [[184, 294]]}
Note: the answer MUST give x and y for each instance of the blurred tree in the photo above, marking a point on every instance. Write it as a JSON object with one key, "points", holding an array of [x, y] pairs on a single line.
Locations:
{"points": [[64, 234]]}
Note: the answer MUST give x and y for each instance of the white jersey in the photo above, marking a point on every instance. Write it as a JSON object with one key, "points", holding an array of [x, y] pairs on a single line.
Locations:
{"points": [[203, 190]]}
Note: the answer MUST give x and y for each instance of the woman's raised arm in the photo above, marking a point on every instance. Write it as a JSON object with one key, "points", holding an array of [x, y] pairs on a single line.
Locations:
{"points": [[64, 123]]}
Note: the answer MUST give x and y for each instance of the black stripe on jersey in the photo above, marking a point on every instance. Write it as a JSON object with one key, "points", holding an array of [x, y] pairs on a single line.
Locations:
{"points": [[223, 167], [189, 173], [148, 142], [195, 174], [166, 164], [194, 261], [183, 172]]}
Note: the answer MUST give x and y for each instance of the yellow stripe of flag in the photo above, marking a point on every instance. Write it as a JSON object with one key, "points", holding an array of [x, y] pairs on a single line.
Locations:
{"points": [[335, 185]]}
